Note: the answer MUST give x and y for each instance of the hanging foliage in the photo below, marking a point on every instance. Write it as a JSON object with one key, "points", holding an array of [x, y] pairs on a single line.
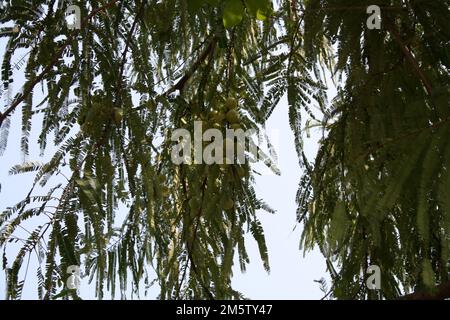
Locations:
{"points": [[112, 91]]}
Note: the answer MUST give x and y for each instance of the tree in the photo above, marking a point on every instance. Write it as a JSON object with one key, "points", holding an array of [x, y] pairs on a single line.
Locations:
{"points": [[379, 185], [134, 71]]}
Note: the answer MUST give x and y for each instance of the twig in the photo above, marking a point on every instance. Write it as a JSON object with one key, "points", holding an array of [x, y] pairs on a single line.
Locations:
{"points": [[182, 82], [407, 135], [409, 56], [27, 91], [127, 45]]}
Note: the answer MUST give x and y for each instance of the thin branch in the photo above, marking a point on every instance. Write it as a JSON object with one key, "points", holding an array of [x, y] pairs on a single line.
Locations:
{"points": [[409, 56], [127, 45], [405, 136], [440, 292], [183, 81], [29, 89]]}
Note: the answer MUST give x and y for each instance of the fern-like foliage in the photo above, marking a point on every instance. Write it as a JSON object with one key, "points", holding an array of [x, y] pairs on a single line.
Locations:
{"points": [[114, 90], [378, 190]]}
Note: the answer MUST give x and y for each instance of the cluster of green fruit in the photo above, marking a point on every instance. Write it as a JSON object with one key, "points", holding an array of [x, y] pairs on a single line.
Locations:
{"points": [[210, 187], [195, 204], [228, 112], [221, 180], [93, 120], [226, 116], [210, 204]]}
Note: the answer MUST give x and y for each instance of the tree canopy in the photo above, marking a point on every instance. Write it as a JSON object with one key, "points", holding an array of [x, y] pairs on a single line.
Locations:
{"points": [[111, 91]]}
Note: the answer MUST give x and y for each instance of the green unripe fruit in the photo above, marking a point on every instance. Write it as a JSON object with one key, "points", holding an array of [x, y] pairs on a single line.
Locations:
{"points": [[241, 172], [233, 117], [118, 115], [231, 104], [235, 126], [228, 204]]}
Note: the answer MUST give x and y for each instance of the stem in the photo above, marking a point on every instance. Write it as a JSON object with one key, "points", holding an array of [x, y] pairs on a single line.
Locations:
{"points": [[409, 56], [183, 81], [29, 89]]}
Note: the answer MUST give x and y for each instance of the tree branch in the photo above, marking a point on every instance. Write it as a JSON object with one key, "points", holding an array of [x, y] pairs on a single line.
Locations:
{"points": [[411, 59], [441, 292], [125, 51], [182, 82], [29, 89]]}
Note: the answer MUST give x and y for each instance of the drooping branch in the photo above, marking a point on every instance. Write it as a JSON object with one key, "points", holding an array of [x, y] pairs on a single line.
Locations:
{"points": [[408, 135], [184, 80], [125, 51], [29, 89], [409, 56]]}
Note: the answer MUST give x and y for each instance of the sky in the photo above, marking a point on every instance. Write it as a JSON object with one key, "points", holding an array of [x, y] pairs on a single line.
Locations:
{"points": [[292, 272]]}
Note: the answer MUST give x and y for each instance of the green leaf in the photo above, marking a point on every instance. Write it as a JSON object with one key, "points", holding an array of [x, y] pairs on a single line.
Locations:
{"points": [[252, 6], [259, 8], [339, 222], [261, 15], [233, 13]]}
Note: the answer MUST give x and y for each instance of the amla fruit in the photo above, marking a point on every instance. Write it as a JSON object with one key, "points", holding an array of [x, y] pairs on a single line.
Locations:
{"points": [[231, 104], [228, 204], [241, 172], [118, 115], [233, 116]]}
